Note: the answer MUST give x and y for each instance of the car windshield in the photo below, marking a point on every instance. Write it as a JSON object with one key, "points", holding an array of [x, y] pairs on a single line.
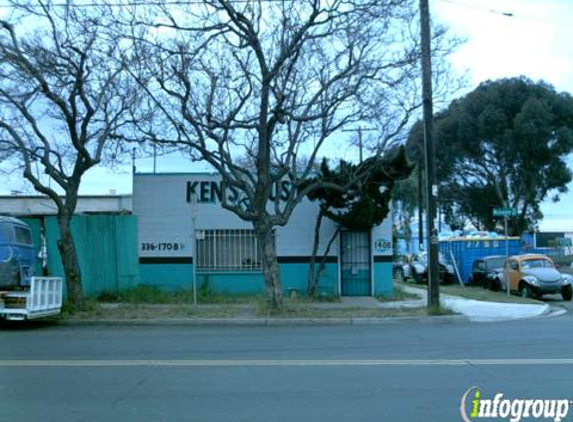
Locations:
{"points": [[537, 263], [494, 263]]}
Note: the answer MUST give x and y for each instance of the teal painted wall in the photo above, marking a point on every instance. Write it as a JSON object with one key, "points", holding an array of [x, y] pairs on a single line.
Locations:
{"points": [[383, 285], [180, 276], [295, 276], [107, 251], [232, 283], [167, 276]]}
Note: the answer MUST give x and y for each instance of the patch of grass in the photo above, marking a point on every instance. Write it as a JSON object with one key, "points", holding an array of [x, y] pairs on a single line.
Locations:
{"points": [[154, 295], [289, 311], [147, 294], [259, 308], [88, 305], [439, 311], [398, 295], [323, 298], [147, 311], [229, 298], [112, 297]]}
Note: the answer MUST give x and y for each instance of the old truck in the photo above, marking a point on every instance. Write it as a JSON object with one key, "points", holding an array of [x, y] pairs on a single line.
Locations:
{"points": [[23, 295]]}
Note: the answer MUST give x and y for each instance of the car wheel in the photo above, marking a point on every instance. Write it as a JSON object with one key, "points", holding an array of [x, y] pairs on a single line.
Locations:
{"points": [[417, 277], [525, 291], [567, 293], [496, 285]]}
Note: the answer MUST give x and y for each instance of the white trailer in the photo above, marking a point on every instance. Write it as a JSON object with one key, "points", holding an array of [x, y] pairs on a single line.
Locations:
{"points": [[42, 299]]}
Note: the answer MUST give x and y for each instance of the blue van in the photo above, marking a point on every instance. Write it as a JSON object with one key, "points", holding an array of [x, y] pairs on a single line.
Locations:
{"points": [[17, 253]]}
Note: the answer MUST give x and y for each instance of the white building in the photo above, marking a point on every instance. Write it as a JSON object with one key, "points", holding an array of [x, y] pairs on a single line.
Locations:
{"points": [[39, 205], [359, 263]]}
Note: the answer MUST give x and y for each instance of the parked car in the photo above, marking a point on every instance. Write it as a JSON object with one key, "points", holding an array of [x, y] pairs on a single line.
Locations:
{"points": [[419, 268], [533, 275], [401, 267], [486, 270], [17, 256]]}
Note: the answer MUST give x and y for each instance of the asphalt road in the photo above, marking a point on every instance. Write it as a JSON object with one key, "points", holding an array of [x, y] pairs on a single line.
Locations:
{"points": [[557, 302], [396, 372]]}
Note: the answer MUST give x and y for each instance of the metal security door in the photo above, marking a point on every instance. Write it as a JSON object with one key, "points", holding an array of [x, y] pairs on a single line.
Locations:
{"points": [[355, 263]]}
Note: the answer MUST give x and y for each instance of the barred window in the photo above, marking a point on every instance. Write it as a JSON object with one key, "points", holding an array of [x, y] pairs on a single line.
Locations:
{"points": [[227, 250]]}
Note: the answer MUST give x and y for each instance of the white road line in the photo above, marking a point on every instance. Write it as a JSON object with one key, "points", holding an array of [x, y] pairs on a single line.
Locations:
{"points": [[280, 362]]}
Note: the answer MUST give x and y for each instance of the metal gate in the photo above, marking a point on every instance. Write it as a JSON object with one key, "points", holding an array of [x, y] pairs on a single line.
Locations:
{"points": [[355, 263]]}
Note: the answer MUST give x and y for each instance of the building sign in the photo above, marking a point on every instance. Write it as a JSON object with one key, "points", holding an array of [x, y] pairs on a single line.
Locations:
{"points": [[210, 191], [382, 245]]}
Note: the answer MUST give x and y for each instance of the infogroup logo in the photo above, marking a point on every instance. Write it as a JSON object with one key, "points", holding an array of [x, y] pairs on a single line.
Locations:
{"points": [[474, 406]]}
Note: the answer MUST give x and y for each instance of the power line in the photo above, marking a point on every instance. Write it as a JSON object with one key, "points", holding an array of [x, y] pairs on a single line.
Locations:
{"points": [[70, 4], [506, 13]]}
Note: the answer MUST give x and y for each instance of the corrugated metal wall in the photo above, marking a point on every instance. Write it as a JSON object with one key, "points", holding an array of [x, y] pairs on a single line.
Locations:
{"points": [[107, 251], [466, 251]]}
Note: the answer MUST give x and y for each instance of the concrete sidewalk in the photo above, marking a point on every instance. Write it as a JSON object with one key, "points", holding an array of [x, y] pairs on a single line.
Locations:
{"points": [[474, 310], [479, 311]]}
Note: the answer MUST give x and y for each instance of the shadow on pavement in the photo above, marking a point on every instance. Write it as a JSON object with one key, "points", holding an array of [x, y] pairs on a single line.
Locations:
{"points": [[27, 325]]}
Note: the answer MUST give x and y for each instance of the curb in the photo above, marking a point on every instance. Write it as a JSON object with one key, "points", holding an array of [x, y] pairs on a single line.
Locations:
{"points": [[546, 313], [262, 322]]}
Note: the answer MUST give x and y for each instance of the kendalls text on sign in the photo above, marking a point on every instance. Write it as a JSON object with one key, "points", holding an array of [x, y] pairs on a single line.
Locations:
{"points": [[210, 191]]}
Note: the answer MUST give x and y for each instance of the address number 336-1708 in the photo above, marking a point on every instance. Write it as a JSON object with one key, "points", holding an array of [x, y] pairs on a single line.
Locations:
{"points": [[161, 246]]}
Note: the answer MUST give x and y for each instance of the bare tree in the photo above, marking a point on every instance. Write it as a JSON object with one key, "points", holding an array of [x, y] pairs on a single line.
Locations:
{"points": [[63, 95], [273, 81]]}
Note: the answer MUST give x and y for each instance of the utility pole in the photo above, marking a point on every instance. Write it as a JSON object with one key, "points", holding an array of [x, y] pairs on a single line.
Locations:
{"points": [[506, 275], [360, 157], [360, 144], [194, 240], [133, 161], [420, 201], [154, 158], [431, 186]]}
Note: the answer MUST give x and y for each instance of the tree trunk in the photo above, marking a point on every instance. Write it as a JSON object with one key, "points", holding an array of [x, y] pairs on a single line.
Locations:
{"points": [[322, 265], [311, 281], [67, 248], [313, 274], [268, 256]]}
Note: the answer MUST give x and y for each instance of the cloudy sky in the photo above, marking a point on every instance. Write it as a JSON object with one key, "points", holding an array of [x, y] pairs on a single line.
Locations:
{"points": [[504, 38], [516, 37]]}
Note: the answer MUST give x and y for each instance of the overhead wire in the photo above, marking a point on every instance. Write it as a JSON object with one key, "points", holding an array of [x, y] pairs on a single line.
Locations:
{"points": [[143, 3], [71, 4], [506, 13]]}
